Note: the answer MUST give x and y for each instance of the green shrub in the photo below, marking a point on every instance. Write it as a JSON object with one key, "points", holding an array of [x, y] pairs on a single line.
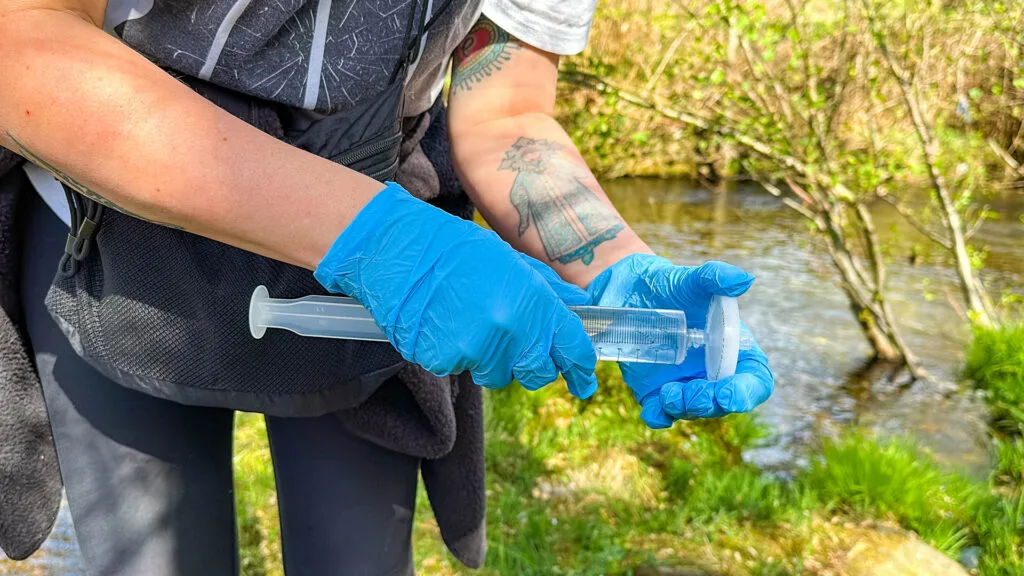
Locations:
{"points": [[995, 362]]}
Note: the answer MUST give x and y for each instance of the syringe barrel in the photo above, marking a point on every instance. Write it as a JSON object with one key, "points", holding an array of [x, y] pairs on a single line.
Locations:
{"points": [[635, 334]]}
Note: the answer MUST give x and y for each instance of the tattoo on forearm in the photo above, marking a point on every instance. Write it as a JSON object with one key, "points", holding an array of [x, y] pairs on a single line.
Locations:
{"points": [[549, 192], [75, 185], [484, 51]]}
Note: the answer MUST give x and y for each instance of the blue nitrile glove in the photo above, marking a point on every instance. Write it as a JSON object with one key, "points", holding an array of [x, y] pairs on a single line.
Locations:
{"points": [[452, 296], [671, 393]]}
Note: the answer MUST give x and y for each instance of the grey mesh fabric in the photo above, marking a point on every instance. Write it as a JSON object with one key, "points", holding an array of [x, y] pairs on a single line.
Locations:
{"points": [[165, 312]]}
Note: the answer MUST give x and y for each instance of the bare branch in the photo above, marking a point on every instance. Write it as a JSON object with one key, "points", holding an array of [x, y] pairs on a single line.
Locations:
{"points": [[908, 215], [841, 83], [976, 298], [873, 247], [814, 115], [834, 191], [665, 60], [601, 85], [781, 97], [1005, 156], [793, 204], [781, 100], [799, 191], [979, 221]]}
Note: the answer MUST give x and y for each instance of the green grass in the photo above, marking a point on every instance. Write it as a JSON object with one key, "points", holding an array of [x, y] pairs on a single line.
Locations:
{"points": [[584, 488], [995, 362], [1009, 468], [895, 480], [256, 499]]}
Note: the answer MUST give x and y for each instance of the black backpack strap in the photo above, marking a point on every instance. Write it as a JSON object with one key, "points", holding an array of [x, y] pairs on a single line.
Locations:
{"points": [[412, 41], [85, 218]]}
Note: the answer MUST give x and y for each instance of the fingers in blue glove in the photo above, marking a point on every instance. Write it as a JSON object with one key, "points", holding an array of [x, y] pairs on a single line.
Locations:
{"points": [[752, 384], [536, 370], [574, 355], [690, 400], [495, 376], [653, 413], [571, 294], [541, 367], [686, 287], [570, 352]]}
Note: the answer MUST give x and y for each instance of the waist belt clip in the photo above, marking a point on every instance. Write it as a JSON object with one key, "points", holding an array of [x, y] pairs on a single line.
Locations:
{"points": [[77, 245]]}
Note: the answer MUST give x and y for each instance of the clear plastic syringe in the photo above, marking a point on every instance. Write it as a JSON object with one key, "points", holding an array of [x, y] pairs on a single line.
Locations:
{"points": [[619, 334]]}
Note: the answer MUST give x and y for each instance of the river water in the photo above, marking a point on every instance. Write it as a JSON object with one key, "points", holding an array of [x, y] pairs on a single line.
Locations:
{"points": [[803, 323]]}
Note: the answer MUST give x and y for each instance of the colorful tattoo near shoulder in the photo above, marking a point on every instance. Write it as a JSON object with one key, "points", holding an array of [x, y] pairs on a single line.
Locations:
{"points": [[484, 51]]}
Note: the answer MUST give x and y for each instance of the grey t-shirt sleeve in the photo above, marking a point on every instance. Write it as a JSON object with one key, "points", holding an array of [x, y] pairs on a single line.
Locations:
{"points": [[556, 26]]}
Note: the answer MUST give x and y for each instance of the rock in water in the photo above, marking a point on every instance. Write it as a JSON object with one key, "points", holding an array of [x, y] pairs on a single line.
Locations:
{"points": [[887, 551], [970, 557]]}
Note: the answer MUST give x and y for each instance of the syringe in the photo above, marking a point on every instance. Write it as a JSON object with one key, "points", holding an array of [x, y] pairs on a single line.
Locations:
{"points": [[619, 334]]}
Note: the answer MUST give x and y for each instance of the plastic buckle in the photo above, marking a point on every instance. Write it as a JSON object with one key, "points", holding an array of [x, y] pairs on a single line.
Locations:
{"points": [[77, 245]]}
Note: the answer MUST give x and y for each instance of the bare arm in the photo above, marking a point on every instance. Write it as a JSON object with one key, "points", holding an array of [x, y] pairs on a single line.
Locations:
{"points": [[521, 169], [115, 127]]}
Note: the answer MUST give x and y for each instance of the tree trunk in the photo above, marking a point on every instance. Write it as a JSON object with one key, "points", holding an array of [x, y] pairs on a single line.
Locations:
{"points": [[866, 294], [877, 329], [883, 346], [977, 299]]}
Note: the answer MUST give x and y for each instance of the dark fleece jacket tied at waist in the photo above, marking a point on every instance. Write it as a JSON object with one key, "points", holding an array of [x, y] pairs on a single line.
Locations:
{"points": [[30, 484]]}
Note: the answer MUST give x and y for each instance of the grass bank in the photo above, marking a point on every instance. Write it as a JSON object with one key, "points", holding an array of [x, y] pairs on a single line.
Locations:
{"points": [[583, 488]]}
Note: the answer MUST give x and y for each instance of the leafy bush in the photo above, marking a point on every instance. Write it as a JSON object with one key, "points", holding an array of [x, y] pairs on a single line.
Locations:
{"points": [[995, 362]]}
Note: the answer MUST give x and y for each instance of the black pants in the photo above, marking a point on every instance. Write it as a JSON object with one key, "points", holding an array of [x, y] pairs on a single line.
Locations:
{"points": [[149, 482]]}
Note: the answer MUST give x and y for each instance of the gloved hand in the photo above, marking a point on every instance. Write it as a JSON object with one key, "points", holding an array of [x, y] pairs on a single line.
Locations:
{"points": [[681, 392], [452, 296]]}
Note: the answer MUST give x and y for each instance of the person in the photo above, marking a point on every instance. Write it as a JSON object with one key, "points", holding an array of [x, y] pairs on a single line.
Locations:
{"points": [[206, 147]]}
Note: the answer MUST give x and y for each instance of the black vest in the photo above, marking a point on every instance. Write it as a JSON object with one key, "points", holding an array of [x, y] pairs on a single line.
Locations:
{"points": [[164, 311]]}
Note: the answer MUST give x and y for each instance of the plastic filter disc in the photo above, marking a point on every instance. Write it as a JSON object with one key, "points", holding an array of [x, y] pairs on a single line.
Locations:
{"points": [[256, 327], [722, 337]]}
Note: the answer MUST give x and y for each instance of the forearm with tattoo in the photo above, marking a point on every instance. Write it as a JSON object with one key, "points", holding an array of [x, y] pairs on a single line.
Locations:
{"points": [[549, 192], [558, 202]]}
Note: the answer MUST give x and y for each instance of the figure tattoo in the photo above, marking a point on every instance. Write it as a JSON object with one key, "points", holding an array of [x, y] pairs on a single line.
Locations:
{"points": [[75, 185], [484, 51], [549, 192]]}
